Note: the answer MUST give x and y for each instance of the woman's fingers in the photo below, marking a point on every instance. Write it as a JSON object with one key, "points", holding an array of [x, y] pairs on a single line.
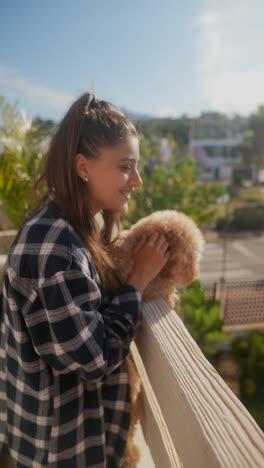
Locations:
{"points": [[140, 244], [162, 244], [151, 239], [154, 240], [165, 247], [165, 259]]}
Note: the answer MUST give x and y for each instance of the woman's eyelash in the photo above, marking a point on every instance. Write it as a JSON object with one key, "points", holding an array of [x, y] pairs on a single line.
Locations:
{"points": [[127, 168]]}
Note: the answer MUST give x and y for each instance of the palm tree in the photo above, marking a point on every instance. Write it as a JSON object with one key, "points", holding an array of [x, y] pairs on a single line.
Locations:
{"points": [[19, 161]]}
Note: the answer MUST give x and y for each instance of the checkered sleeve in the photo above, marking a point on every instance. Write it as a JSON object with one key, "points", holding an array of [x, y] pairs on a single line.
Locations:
{"points": [[69, 332]]}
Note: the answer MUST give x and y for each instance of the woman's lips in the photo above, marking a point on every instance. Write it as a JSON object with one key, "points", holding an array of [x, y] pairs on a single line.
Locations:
{"points": [[127, 195]]}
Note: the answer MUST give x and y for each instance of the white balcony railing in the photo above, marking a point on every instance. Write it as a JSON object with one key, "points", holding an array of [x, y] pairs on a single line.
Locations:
{"points": [[191, 418]]}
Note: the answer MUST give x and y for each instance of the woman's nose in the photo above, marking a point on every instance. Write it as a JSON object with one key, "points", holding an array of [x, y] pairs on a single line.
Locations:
{"points": [[137, 181]]}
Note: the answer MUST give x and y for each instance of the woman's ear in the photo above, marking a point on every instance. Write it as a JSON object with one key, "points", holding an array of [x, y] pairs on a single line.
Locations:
{"points": [[81, 166]]}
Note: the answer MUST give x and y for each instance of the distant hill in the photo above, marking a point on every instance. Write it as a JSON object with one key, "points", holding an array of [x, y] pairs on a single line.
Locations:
{"points": [[137, 116]]}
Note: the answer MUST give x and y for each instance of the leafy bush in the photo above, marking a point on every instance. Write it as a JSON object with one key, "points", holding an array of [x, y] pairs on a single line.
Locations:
{"points": [[19, 162], [201, 317], [250, 354], [249, 217]]}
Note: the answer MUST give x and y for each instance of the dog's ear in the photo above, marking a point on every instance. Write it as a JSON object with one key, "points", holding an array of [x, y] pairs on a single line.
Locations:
{"points": [[186, 267]]}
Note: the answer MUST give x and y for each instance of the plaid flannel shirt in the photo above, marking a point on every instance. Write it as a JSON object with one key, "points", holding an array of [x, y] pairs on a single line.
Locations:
{"points": [[64, 396]]}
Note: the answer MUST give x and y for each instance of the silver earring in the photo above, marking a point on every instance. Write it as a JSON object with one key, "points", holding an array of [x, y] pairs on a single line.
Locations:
{"points": [[85, 179]]}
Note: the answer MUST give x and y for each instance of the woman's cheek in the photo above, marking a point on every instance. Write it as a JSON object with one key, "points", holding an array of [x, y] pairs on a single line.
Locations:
{"points": [[124, 177]]}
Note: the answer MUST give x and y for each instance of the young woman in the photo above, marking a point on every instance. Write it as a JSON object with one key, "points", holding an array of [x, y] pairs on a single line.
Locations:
{"points": [[64, 340]]}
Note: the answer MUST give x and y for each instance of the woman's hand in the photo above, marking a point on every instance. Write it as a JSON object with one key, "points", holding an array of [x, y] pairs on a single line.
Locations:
{"points": [[150, 256]]}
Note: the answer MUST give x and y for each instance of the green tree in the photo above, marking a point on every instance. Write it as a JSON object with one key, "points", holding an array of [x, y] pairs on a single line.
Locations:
{"points": [[250, 354], [246, 149], [201, 317], [256, 125], [178, 128], [249, 351], [19, 162]]}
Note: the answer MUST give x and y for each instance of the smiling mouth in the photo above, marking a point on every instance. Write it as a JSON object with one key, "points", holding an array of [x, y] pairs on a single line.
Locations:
{"points": [[127, 195]]}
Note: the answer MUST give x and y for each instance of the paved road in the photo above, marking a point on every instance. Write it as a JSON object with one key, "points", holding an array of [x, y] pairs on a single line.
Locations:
{"points": [[244, 259]]}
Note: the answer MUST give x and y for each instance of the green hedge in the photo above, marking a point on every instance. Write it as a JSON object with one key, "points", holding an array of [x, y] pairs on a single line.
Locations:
{"points": [[250, 217]]}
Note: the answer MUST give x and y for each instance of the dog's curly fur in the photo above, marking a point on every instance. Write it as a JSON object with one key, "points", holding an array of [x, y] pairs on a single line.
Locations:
{"points": [[132, 453], [185, 243]]}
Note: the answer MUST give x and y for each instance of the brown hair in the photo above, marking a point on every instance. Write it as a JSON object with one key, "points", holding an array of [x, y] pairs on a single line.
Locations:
{"points": [[89, 126]]}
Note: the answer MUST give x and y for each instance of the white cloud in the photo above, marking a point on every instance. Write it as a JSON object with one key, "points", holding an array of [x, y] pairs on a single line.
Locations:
{"points": [[208, 18], [21, 87], [230, 70]]}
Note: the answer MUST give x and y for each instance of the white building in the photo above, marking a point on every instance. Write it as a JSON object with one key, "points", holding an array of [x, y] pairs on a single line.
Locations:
{"points": [[217, 158], [165, 150]]}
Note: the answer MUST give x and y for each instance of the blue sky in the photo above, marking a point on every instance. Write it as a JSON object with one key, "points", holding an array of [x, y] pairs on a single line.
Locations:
{"points": [[157, 57]]}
